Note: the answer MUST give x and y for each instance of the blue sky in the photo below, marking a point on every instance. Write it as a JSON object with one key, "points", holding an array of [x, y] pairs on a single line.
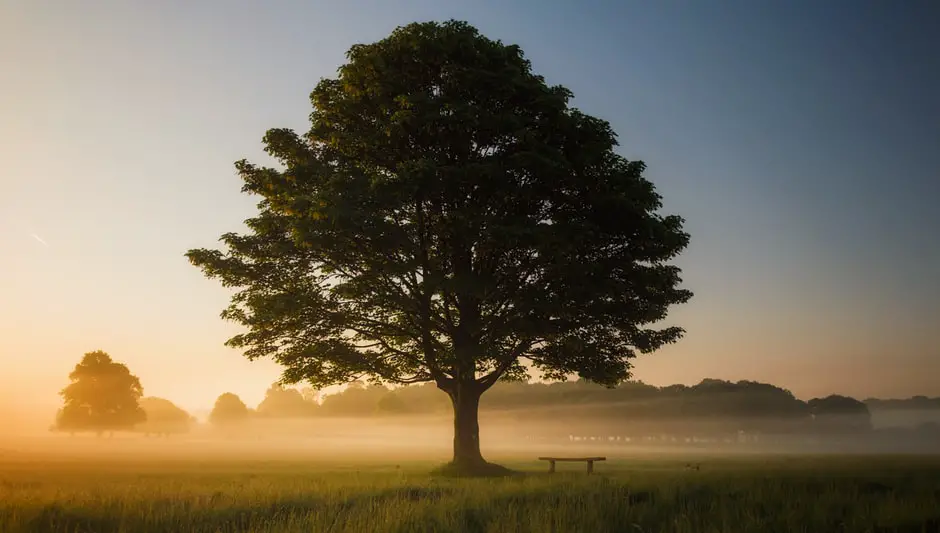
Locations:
{"points": [[800, 140]]}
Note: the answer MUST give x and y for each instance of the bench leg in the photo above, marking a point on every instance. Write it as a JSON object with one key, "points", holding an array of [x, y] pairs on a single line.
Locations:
{"points": [[590, 467], [551, 467]]}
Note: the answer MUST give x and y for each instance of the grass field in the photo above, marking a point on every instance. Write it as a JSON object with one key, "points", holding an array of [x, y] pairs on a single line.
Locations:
{"points": [[643, 494]]}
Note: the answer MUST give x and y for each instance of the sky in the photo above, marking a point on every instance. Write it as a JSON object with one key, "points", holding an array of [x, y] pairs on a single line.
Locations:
{"points": [[799, 139]]}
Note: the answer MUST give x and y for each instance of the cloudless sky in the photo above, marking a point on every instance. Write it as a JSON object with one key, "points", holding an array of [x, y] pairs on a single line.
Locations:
{"points": [[800, 140]]}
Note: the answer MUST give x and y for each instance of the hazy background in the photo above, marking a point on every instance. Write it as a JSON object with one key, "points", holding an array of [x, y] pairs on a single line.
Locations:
{"points": [[799, 139]]}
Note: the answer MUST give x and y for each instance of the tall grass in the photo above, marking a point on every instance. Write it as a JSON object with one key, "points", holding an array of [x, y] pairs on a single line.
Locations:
{"points": [[813, 495]]}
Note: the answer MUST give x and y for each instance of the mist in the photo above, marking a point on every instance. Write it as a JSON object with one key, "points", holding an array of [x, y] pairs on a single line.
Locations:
{"points": [[391, 440]]}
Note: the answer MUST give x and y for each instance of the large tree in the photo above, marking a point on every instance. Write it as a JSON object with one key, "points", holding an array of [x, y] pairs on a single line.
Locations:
{"points": [[103, 396], [446, 218]]}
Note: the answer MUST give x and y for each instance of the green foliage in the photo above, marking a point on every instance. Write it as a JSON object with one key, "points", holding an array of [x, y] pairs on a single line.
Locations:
{"points": [[164, 417], [446, 215], [103, 396], [228, 409]]}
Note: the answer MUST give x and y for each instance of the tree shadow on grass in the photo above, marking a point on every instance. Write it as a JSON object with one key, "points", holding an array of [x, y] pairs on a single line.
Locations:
{"points": [[484, 470]]}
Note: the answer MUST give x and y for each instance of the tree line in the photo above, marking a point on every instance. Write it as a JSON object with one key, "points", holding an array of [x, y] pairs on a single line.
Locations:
{"points": [[104, 396]]}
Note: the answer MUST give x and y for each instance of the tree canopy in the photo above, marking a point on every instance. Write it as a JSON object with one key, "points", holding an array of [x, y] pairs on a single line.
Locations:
{"points": [[228, 409], [103, 396], [164, 417], [841, 413], [447, 217], [283, 402]]}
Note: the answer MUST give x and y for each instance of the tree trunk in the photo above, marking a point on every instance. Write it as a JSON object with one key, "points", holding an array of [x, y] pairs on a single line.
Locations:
{"points": [[466, 401]]}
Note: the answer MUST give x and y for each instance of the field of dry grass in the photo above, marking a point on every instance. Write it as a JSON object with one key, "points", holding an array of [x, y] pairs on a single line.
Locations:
{"points": [[110, 492]]}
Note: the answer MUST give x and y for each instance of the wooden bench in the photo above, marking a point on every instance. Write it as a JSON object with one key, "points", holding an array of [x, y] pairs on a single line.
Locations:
{"points": [[588, 460]]}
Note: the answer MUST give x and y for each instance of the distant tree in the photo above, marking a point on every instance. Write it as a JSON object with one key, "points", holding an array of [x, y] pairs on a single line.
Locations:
{"points": [[228, 409], [392, 404], [836, 413], [163, 417], [746, 400], [715, 406], [355, 400], [424, 398], [311, 395], [282, 402], [913, 403], [103, 396], [676, 389], [446, 216]]}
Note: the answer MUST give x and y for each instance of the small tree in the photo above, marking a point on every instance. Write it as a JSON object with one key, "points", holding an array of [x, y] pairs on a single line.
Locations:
{"points": [[103, 396], [282, 402], [228, 409], [164, 417], [391, 404], [447, 217]]}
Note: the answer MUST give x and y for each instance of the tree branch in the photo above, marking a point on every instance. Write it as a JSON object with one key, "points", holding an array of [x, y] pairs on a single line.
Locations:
{"points": [[490, 379]]}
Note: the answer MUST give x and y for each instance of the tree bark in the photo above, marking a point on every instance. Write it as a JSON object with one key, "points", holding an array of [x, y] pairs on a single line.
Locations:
{"points": [[465, 398]]}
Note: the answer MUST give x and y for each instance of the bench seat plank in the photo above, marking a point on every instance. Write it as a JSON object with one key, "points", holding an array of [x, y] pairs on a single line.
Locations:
{"points": [[588, 460], [570, 459]]}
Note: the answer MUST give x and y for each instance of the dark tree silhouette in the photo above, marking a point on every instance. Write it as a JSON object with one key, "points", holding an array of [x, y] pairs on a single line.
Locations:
{"points": [[228, 409], [447, 216], [712, 404], [103, 396], [164, 417], [836, 413], [912, 403]]}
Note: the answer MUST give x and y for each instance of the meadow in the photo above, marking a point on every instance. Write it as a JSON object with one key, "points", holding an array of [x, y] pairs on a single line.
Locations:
{"points": [[645, 493]]}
